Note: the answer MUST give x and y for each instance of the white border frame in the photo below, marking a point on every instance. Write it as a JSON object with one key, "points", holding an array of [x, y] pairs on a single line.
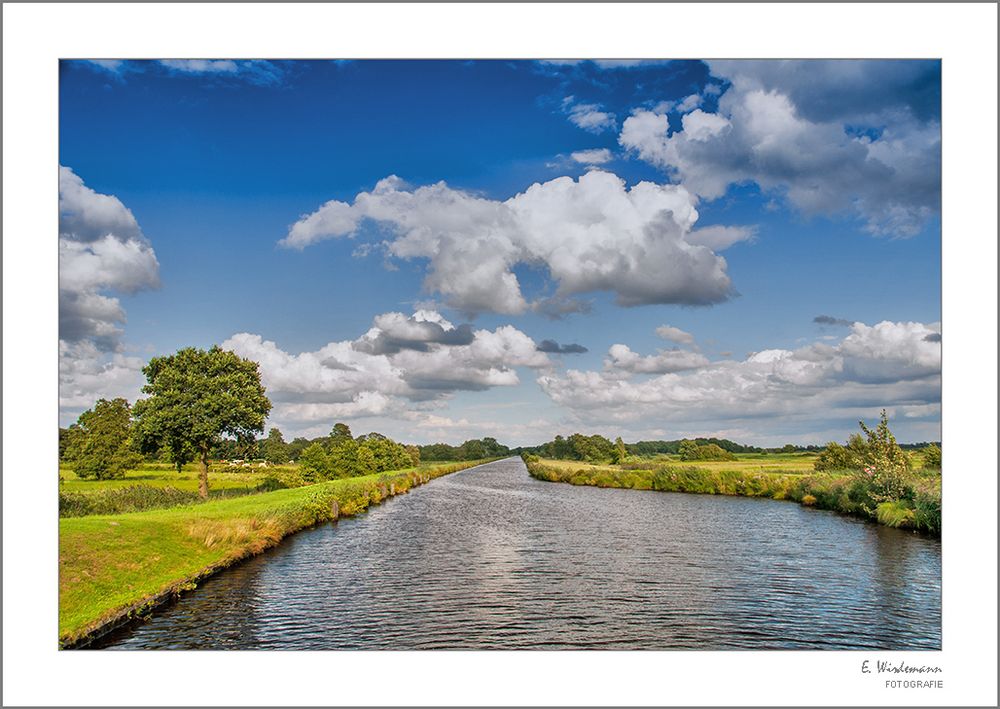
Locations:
{"points": [[35, 36]]}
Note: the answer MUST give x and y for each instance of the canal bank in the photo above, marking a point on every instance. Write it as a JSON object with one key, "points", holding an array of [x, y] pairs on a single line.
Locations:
{"points": [[837, 492], [117, 569]]}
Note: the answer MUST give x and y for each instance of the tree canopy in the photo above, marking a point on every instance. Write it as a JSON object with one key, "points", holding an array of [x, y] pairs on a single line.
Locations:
{"points": [[99, 444], [195, 398]]}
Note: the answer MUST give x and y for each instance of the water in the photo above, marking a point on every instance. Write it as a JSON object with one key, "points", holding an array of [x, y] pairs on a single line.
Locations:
{"points": [[491, 558]]}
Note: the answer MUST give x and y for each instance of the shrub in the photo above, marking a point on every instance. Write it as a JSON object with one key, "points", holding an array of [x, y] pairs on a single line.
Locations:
{"points": [[114, 501], [838, 457], [690, 450], [895, 514]]}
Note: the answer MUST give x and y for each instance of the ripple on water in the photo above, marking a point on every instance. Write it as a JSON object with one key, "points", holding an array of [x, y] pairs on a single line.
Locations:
{"points": [[491, 558]]}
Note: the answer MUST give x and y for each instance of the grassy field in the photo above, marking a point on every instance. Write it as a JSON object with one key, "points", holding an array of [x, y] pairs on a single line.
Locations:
{"points": [[114, 566], [841, 492], [166, 476]]}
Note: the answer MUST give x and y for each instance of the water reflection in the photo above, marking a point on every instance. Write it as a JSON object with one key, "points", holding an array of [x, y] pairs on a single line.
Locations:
{"points": [[490, 558]]}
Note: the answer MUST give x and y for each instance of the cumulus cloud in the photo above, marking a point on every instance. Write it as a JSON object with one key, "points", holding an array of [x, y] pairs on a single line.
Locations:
{"points": [[839, 136], [883, 365], [553, 347], [593, 234], [88, 373], [101, 250], [393, 332], [933, 337], [596, 156], [402, 361], [588, 116], [675, 334]]}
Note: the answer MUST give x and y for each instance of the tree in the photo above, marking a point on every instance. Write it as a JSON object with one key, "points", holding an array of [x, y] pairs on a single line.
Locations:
{"points": [[196, 397], [101, 445], [341, 432], [932, 457], [274, 448], [619, 453], [69, 442], [296, 447], [688, 450], [315, 463]]}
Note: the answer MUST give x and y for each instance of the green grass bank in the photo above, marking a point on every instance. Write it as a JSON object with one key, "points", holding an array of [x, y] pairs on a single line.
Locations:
{"points": [[116, 568], [839, 492]]}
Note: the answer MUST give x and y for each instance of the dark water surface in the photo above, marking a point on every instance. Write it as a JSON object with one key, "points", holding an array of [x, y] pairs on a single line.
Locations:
{"points": [[491, 558]]}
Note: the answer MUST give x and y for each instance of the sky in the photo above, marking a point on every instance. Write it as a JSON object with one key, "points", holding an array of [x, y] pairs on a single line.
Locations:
{"points": [[444, 250]]}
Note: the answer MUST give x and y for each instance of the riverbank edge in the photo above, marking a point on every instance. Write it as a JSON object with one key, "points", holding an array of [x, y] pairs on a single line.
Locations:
{"points": [[825, 491], [322, 504]]}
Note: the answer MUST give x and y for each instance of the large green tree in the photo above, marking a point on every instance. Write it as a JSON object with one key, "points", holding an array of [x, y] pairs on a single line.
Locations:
{"points": [[101, 443], [273, 448], [195, 398]]}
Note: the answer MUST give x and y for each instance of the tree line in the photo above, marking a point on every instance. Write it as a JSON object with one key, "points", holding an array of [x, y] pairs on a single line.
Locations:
{"points": [[210, 405]]}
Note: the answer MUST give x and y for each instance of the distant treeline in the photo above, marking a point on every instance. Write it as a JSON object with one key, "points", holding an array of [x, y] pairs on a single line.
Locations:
{"points": [[475, 449], [597, 447]]}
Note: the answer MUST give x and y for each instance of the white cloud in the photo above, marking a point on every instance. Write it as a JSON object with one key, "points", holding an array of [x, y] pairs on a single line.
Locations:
{"points": [[884, 365], [112, 65], [593, 234], [86, 215], [101, 248], [874, 153], [621, 358], [596, 156], [107, 264], [588, 116], [351, 378], [87, 373], [255, 71], [201, 66], [718, 237], [675, 334], [685, 105]]}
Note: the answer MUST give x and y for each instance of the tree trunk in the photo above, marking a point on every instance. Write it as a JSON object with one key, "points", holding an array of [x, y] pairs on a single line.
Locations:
{"points": [[203, 475]]}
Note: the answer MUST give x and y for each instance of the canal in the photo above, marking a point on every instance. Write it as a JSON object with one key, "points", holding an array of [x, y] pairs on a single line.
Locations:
{"points": [[491, 558]]}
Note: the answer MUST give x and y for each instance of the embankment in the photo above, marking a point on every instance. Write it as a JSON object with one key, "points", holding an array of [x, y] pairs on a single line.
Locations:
{"points": [[839, 492], [114, 569]]}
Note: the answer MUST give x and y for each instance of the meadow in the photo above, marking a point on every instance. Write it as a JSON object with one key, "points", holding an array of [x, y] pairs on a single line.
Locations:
{"points": [[114, 568]]}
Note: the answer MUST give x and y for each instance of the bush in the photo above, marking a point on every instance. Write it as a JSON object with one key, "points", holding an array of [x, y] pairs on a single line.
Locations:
{"points": [[115, 501], [690, 450], [838, 457]]}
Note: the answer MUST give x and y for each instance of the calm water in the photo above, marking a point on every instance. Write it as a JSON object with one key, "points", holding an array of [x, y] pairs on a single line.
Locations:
{"points": [[491, 558]]}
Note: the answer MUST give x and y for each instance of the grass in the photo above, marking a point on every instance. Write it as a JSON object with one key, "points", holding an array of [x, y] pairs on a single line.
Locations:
{"points": [[841, 492], [115, 566], [156, 475]]}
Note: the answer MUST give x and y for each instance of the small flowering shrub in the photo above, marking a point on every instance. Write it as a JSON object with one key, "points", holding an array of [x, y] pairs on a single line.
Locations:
{"points": [[885, 467]]}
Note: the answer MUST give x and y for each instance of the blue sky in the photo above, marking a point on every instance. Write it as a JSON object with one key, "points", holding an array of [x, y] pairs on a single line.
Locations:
{"points": [[734, 202]]}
